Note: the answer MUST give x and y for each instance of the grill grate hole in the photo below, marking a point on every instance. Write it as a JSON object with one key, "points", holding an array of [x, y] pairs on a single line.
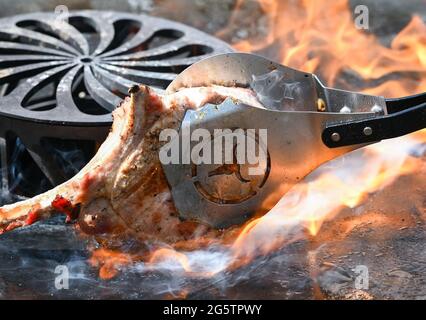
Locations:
{"points": [[17, 63], [193, 50], [37, 26], [82, 98], [159, 38], [9, 83], [86, 27], [125, 30], [25, 40], [162, 37], [43, 96], [164, 69]]}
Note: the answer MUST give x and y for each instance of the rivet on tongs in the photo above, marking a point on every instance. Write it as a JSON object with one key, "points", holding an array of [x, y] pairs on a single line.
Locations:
{"points": [[335, 137], [320, 105], [368, 131]]}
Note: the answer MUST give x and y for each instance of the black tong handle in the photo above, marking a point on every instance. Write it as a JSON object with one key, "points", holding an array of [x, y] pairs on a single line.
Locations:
{"points": [[405, 115]]}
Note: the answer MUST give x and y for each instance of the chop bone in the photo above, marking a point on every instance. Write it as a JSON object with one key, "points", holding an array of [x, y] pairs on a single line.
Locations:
{"points": [[123, 189]]}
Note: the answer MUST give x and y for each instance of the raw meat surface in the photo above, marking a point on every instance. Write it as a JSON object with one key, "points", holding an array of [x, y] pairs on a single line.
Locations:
{"points": [[122, 190]]}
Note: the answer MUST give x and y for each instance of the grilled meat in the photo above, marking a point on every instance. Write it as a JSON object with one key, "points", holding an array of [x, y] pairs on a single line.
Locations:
{"points": [[123, 190]]}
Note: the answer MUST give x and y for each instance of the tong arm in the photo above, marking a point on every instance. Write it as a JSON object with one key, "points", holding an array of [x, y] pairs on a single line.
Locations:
{"points": [[405, 115]]}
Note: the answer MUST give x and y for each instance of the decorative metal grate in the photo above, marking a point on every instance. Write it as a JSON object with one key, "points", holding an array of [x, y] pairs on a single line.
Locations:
{"points": [[60, 80]]}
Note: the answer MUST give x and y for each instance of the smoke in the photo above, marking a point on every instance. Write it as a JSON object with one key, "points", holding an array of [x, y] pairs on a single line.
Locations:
{"points": [[12, 175], [23, 177]]}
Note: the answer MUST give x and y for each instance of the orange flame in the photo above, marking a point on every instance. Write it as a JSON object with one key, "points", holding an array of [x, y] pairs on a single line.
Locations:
{"points": [[164, 254], [109, 262], [322, 38], [341, 183], [319, 36]]}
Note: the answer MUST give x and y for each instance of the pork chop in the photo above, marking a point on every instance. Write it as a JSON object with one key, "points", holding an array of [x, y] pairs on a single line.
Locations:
{"points": [[123, 190]]}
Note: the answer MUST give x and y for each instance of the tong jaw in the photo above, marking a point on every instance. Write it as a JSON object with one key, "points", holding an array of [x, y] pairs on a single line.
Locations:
{"points": [[224, 194], [278, 87], [298, 108]]}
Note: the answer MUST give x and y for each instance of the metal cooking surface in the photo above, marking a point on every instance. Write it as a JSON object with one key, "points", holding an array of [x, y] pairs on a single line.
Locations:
{"points": [[90, 61], [60, 80]]}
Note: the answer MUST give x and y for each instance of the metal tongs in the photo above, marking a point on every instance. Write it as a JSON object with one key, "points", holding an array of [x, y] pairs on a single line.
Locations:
{"points": [[307, 124]]}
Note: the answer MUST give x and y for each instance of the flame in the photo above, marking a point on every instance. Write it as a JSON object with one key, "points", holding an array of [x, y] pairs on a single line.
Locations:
{"points": [[304, 35], [166, 254], [344, 183], [320, 37], [109, 262]]}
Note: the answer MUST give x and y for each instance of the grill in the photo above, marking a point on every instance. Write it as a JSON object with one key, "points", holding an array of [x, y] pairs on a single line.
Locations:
{"points": [[61, 78]]}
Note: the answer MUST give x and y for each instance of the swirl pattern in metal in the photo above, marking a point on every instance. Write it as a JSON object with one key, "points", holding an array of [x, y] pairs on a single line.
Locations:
{"points": [[77, 71]]}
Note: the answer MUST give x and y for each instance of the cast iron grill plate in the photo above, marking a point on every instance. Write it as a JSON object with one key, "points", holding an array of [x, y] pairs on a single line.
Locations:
{"points": [[96, 55], [60, 80]]}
